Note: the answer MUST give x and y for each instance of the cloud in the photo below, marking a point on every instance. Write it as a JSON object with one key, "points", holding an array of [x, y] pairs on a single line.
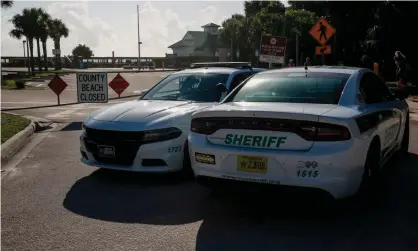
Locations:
{"points": [[159, 28], [84, 29]]}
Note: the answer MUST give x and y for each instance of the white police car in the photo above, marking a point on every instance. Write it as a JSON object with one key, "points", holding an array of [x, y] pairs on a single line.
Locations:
{"points": [[150, 134], [329, 128]]}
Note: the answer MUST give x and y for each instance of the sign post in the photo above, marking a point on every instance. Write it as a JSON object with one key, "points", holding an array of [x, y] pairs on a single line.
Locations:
{"points": [[322, 31], [272, 49], [118, 84], [92, 87], [57, 85]]}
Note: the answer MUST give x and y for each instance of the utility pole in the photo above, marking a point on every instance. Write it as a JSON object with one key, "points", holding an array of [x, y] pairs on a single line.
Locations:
{"points": [[29, 58], [232, 52], [297, 49], [139, 41]]}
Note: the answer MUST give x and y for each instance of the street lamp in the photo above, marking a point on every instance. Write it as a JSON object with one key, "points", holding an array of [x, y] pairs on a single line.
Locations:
{"points": [[256, 56], [24, 52]]}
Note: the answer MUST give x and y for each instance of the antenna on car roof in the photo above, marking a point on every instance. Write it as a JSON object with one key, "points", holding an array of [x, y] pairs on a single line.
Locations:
{"points": [[306, 70]]}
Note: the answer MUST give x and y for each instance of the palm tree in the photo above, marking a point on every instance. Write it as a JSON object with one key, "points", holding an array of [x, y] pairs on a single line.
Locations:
{"points": [[37, 31], [44, 19], [57, 29], [6, 4], [23, 26]]}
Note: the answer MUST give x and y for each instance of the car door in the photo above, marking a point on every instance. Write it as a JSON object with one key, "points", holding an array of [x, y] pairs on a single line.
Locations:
{"points": [[393, 135], [380, 104]]}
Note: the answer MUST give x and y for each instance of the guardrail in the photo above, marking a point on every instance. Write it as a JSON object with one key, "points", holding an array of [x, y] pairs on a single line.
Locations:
{"points": [[93, 70]]}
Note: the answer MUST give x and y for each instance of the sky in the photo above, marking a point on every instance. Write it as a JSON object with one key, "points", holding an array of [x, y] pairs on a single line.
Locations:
{"points": [[107, 26]]}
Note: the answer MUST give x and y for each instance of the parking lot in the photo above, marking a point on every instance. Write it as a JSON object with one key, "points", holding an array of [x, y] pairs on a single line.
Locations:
{"points": [[53, 202], [43, 96]]}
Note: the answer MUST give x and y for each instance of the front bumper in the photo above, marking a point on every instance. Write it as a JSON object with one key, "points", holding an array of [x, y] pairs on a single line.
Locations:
{"points": [[334, 167], [159, 157]]}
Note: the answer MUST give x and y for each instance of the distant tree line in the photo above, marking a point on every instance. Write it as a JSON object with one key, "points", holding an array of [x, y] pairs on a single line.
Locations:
{"points": [[377, 29], [35, 24]]}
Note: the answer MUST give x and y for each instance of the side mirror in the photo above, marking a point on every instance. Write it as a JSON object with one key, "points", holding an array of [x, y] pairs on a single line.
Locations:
{"points": [[401, 94], [221, 87]]}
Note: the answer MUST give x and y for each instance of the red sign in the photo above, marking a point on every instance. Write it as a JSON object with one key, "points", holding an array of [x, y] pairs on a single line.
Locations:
{"points": [[118, 84], [272, 49], [57, 85]]}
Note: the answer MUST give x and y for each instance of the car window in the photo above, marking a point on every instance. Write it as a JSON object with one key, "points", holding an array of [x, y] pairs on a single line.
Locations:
{"points": [[322, 88], [374, 90], [199, 87], [238, 79]]}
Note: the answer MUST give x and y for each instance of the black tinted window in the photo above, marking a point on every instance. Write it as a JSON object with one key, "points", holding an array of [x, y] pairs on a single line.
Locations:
{"points": [[373, 89], [238, 79], [199, 87], [320, 88]]}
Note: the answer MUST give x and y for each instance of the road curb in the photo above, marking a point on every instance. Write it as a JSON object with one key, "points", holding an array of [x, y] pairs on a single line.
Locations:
{"points": [[73, 103], [12, 145]]}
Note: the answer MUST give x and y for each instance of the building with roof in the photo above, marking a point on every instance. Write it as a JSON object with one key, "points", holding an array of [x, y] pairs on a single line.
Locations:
{"points": [[200, 43]]}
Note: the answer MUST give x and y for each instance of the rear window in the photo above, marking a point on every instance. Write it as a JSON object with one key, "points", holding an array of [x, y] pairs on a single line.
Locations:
{"points": [[318, 88]]}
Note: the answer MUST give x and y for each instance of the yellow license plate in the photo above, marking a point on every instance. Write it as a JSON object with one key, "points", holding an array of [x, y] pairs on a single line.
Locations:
{"points": [[252, 164]]}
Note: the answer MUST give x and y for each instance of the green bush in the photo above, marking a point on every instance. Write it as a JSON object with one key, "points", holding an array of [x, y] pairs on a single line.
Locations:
{"points": [[20, 84]]}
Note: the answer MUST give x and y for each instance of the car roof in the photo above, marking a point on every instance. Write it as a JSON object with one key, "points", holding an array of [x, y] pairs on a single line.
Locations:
{"points": [[226, 70], [323, 69]]}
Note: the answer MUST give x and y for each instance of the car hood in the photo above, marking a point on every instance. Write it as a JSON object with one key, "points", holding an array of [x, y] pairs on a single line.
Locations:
{"points": [[146, 110]]}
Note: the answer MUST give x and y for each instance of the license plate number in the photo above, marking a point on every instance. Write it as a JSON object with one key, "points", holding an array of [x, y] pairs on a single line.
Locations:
{"points": [[252, 164], [106, 151]]}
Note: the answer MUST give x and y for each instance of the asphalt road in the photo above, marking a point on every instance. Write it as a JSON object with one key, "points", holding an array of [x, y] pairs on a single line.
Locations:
{"points": [[30, 98], [68, 113], [50, 201]]}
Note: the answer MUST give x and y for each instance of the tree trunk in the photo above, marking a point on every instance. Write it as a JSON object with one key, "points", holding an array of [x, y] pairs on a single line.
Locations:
{"points": [[39, 54], [45, 55], [32, 61], [59, 55], [56, 56]]}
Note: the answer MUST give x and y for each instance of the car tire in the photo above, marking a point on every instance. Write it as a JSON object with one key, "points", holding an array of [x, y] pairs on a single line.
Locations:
{"points": [[369, 181], [186, 171]]}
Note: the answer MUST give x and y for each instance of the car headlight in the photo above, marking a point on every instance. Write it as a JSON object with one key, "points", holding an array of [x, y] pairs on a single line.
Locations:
{"points": [[161, 134]]}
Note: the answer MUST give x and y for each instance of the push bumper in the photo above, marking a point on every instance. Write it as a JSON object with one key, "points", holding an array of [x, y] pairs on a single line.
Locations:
{"points": [[160, 157], [336, 168]]}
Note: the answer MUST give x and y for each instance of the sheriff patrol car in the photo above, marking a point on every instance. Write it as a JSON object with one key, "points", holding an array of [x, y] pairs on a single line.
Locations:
{"points": [[150, 134], [329, 128]]}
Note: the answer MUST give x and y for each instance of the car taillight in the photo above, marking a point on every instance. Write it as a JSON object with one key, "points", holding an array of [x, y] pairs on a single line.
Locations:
{"points": [[325, 132], [203, 126]]}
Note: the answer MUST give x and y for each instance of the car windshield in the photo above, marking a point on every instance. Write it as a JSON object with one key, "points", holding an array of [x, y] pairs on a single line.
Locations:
{"points": [[319, 88], [197, 87]]}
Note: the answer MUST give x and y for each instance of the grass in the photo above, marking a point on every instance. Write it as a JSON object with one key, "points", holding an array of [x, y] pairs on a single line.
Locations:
{"points": [[12, 124], [14, 85]]}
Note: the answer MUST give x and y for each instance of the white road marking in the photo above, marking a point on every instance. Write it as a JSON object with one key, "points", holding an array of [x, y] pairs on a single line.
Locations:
{"points": [[140, 91], [40, 85], [81, 113], [63, 114]]}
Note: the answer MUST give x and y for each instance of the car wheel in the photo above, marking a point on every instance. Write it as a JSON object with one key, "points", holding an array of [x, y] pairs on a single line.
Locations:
{"points": [[369, 179], [405, 138], [186, 171]]}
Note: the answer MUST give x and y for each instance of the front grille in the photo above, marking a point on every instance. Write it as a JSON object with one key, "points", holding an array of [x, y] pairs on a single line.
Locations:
{"points": [[126, 144]]}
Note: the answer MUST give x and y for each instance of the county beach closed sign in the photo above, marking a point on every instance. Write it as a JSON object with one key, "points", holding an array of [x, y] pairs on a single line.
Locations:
{"points": [[92, 87]]}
